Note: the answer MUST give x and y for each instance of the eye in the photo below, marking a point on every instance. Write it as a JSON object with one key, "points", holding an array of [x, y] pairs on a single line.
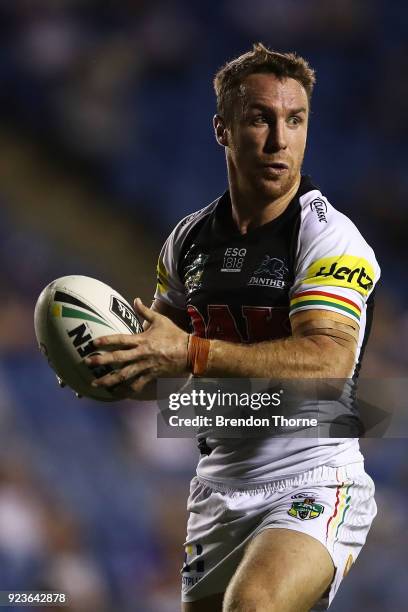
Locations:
{"points": [[294, 120], [259, 119]]}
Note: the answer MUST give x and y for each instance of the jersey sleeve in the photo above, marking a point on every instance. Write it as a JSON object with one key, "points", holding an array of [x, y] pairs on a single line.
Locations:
{"points": [[169, 287], [336, 270]]}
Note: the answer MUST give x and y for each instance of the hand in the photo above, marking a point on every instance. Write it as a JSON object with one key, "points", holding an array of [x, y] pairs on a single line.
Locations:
{"points": [[160, 351]]}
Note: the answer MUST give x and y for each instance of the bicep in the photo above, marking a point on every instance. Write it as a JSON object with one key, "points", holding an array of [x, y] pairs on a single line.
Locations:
{"points": [[177, 315]]}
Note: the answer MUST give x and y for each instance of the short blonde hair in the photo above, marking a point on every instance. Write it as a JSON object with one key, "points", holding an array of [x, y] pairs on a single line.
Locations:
{"points": [[260, 60]]}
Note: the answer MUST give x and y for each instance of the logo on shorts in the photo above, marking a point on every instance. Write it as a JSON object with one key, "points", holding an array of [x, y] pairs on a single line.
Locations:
{"points": [[193, 567], [302, 495], [306, 509]]}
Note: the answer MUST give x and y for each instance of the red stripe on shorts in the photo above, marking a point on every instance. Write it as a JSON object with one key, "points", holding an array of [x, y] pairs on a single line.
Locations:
{"points": [[335, 509]]}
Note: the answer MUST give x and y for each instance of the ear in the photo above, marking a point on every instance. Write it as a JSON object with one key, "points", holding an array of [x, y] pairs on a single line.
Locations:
{"points": [[221, 132]]}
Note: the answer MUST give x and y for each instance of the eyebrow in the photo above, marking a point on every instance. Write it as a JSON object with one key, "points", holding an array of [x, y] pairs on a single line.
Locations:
{"points": [[263, 107], [297, 111]]}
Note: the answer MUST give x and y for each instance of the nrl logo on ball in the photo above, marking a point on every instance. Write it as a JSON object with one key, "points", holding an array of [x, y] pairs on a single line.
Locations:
{"points": [[125, 314]]}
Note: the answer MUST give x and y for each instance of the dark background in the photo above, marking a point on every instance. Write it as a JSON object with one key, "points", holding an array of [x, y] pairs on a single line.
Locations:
{"points": [[105, 142]]}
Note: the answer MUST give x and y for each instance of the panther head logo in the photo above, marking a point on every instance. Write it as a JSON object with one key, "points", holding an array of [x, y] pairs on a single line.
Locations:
{"points": [[273, 267]]}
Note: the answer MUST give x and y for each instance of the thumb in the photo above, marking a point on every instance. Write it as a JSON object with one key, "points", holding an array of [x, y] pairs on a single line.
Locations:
{"points": [[147, 313]]}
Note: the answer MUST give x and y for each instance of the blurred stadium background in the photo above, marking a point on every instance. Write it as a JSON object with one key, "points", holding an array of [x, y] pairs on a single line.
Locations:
{"points": [[105, 142]]}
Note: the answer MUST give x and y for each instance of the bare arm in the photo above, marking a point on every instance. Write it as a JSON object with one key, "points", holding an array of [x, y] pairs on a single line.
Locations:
{"points": [[323, 345]]}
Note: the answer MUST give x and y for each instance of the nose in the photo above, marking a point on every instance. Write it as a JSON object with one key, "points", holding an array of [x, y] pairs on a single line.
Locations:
{"points": [[276, 140]]}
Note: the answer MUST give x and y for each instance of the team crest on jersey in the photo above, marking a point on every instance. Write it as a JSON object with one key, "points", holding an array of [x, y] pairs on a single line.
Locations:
{"points": [[306, 509], [193, 273], [270, 273]]}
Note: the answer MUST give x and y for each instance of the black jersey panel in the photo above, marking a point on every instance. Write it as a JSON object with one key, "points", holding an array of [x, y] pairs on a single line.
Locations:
{"points": [[237, 285]]}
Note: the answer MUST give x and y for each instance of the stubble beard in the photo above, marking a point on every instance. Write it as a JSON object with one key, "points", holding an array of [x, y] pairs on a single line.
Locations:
{"points": [[271, 189], [259, 187]]}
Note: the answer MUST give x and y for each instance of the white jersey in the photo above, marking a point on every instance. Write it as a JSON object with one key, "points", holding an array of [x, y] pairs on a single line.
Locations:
{"points": [[244, 288]]}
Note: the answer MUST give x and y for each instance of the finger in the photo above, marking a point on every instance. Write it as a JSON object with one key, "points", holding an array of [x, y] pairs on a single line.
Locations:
{"points": [[119, 376], [117, 340], [132, 389], [139, 384], [147, 313], [113, 357]]}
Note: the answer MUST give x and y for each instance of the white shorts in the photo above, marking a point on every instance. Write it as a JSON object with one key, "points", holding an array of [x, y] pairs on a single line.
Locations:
{"points": [[334, 505]]}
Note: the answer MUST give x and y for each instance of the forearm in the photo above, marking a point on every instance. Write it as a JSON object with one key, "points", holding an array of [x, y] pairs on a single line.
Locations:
{"points": [[322, 346], [294, 357]]}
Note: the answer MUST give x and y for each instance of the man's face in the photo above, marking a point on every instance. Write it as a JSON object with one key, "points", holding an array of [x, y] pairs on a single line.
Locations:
{"points": [[266, 136]]}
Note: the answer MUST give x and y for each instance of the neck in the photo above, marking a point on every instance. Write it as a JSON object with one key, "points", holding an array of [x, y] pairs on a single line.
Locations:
{"points": [[250, 211]]}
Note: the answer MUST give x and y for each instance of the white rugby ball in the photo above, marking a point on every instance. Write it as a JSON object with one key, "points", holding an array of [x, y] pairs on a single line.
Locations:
{"points": [[70, 313]]}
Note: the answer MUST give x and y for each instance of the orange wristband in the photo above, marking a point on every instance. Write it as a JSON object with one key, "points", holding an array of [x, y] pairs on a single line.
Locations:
{"points": [[197, 354]]}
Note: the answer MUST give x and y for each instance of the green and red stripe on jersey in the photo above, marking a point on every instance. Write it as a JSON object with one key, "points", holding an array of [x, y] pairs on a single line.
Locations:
{"points": [[324, 298]]}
